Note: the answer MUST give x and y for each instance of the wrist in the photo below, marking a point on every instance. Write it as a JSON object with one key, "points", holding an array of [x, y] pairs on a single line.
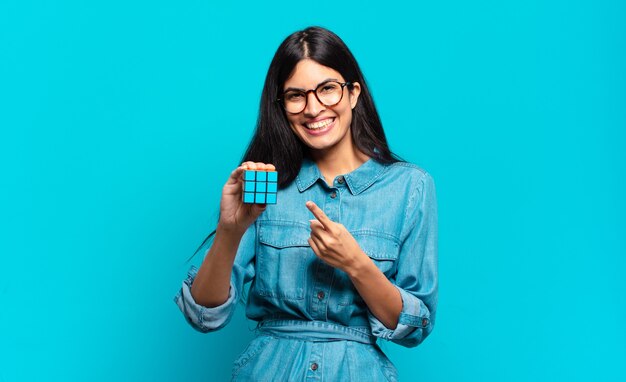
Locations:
{"points": [[359, 266], [229, 232]]}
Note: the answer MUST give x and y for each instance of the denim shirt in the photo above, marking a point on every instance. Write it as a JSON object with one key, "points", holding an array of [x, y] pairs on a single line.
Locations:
{"points": [[391, 211]]}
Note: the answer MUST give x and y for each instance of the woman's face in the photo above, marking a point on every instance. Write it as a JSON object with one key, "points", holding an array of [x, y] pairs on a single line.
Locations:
{"points": [[321, 127]]}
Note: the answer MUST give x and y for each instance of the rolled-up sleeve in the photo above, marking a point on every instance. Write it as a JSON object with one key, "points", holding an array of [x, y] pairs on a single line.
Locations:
{"points": [[416, 277], [206, 319]]}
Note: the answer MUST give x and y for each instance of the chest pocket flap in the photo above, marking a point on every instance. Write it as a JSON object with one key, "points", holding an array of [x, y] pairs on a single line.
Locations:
{"points": [[377, 246], [283, 234]]}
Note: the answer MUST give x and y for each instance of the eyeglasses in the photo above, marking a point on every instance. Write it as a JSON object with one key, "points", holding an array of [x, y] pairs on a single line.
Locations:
{"points": [[328, 93]]}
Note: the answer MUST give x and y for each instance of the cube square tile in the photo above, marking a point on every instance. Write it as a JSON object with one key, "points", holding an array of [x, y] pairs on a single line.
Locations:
{"points": [[248, 197], [270, 199], [259, 198]]}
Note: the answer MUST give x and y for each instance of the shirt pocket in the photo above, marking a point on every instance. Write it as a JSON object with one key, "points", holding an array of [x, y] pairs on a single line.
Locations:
{"points": [[281, 259], [252, 350], [383, 249]]}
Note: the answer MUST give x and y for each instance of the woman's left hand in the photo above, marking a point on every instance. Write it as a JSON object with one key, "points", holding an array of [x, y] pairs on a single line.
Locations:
{"points": [[332, 242]]}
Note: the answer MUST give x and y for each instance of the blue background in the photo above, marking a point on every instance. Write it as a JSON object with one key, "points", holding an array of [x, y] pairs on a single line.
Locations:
{"points": [[120, 122]]}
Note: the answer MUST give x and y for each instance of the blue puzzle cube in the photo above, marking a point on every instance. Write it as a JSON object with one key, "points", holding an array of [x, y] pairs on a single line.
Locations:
{"points": [[260, 187]]}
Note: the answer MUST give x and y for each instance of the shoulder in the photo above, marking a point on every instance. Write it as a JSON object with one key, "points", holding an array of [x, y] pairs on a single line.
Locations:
{"points": [[417, 183], [409, 172]]}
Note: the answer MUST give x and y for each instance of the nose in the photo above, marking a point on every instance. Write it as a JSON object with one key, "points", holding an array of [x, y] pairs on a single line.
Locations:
{"points": [[313, 106]]}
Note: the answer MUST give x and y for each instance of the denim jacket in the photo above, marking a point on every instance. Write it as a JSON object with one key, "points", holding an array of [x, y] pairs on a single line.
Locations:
{"points": [[391, 211]]}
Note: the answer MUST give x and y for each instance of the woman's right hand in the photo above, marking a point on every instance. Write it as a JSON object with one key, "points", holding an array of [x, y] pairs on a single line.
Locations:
{"points": [[235, 215]]}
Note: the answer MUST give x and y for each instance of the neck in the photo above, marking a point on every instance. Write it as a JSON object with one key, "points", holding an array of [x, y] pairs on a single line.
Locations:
{"points": [[332, 163]]}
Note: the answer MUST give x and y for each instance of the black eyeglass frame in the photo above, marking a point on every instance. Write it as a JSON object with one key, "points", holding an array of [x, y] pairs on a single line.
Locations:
{"points": [[281, 101]]}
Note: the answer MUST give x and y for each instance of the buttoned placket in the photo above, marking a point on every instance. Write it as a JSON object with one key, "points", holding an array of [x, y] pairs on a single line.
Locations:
{"points": [[324, 273], [324, 279], [315, 366]]}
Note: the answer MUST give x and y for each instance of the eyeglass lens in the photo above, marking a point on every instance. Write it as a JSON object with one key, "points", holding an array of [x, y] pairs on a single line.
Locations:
{"points": [[327, 93]]}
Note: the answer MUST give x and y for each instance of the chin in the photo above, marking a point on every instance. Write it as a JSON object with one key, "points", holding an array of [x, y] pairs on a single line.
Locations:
{"points": [[324, 141]]}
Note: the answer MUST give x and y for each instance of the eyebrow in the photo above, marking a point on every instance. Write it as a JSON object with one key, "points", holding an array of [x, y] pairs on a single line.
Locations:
{"points": [[303, 90]]}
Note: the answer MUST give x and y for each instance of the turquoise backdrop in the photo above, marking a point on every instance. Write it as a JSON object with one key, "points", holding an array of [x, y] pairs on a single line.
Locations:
{"points": [[120, 121]]}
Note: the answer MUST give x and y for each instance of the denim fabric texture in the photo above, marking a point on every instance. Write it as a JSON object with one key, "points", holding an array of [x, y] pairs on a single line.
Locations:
{"points": [[312, 323]]}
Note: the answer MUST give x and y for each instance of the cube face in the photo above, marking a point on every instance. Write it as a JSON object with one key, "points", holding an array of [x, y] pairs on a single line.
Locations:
{"points": [[260, 187]]}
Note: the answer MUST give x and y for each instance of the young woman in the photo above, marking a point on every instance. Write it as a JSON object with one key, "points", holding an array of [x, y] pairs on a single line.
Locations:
{"points": [[349, 253]]}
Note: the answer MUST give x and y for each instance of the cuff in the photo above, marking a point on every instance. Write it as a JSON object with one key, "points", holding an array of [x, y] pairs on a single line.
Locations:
{"points": [[200, 317], [414, 315]]}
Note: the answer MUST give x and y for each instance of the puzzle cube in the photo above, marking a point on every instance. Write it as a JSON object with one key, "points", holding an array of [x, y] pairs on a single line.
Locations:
{"points": [[260, 186]]}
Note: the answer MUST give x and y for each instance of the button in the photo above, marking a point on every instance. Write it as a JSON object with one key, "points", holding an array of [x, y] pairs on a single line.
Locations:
{"points": [[424, 321], [333, 195], [313, 366], [340, 180], [320, 295]]}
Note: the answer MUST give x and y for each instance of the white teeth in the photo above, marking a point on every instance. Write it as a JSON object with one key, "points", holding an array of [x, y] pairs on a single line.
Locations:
{"points": [[319, 125]]}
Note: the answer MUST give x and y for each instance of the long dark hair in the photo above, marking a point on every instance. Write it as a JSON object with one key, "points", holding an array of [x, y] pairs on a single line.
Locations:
{"points": [[274, 142]]}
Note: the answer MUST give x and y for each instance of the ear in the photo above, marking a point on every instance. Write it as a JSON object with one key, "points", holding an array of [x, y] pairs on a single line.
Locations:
{"points": [[354, 94]]}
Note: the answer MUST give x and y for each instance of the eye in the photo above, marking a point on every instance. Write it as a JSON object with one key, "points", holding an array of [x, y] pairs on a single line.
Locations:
{"points": [[294, 96], [329, 88]]}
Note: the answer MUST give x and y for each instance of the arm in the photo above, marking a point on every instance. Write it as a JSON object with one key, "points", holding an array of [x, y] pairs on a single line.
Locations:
{"points": [[211, 285], [208, 295], [206, 317], [379, 294], [401, 310], [337, 247], [416, 279]]}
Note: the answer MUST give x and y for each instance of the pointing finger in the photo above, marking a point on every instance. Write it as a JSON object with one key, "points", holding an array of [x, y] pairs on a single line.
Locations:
{"points": [[319, 214]]}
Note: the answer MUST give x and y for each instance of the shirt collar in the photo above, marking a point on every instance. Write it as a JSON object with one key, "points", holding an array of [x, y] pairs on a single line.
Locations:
{"points": [[357, 181]]}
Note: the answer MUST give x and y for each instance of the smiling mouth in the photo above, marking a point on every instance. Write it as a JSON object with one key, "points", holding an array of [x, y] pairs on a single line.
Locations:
{"points": [[319, 124]]}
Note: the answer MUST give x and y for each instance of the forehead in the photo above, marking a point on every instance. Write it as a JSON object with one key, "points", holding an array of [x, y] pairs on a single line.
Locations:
{"points": [[308, 74]]}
